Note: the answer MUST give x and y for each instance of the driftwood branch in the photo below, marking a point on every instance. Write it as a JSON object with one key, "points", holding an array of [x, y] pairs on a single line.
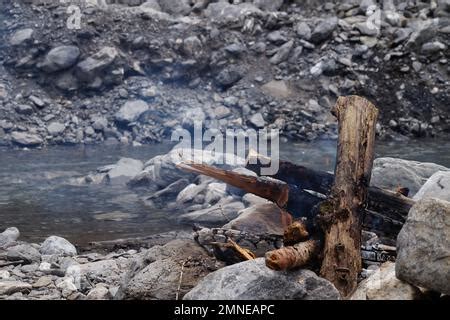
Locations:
{"points": [[341, 216], [292, 257]]}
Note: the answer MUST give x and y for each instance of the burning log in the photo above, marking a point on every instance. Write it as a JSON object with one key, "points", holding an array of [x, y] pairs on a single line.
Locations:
{"points": [[291, 257], [341, 216], [393, 204], [385, 215]]}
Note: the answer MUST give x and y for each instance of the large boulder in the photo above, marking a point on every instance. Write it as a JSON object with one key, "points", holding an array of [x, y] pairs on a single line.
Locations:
{"points": [[54, 245], [324, 30], [157, 276], [131, 111], [21, 36], [260, 218], [162, 170], [60, 58], [26, 139], [89, 68], [252, 280], [9, 237], [106, 271], [438, 186], [25, 252], [11, 287], [390, 173], [124, 170], [384, 285], [423, 246], [176, 7]]}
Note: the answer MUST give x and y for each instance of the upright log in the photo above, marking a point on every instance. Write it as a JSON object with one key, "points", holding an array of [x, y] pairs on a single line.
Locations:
{"points": [[341, 215]]}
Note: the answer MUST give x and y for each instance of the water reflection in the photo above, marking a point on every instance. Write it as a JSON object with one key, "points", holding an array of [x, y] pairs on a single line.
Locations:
{"points": [[36, 198]]}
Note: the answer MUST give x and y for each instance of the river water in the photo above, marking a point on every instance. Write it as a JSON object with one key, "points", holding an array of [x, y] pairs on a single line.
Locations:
{"points": [[35, 195]]}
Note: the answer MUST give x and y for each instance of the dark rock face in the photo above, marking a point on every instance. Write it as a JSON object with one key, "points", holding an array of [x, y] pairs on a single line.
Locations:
{"points": [[206, 56]]}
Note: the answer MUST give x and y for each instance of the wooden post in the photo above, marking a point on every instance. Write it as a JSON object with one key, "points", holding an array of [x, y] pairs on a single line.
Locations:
{"points": [[341, 215]]}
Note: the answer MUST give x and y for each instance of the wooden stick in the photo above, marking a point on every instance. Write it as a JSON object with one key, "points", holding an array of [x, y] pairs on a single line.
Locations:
{"points": [[341, 216], [291, 257], [295, 233], [383, 201]]}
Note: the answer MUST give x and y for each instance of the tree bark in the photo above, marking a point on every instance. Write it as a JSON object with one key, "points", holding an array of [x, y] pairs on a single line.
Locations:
{"points": [[341, 216], [292, 257]]}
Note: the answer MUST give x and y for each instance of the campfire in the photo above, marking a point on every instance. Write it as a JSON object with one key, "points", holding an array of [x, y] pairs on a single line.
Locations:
{"points": [[325, 232]]}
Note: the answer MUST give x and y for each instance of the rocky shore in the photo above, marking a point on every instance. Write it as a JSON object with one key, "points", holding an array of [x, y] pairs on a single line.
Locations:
{"points": [[189, 265], [134, 72]]}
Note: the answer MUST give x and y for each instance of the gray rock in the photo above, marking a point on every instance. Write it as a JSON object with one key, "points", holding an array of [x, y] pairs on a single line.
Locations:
{"points": [[26, 139], [177, 7], [153, 4], [24, 109], [252, 280], [159, 275], [9, 237], [431, 48], [324, 30], [277, 89], [259, 219], [221, 112], [131, 111], [229, 76], [125, 169], [423, 246], [235, 49], [367, 29], [277, 37], [437, 186], [257, 120], [100, 123], [303, 31], [390, 173], [54, 245], [60, 58], [38, 102], [21, 36], [103, 271], [11, 287], [224, 211], [100, 292], [282, 53], [67, 82], [89, 68], [25, 252], [56, 128], [193, 47], [249, 199], [161, 197], [384, 285], [42, 282], [215, 192], [224, 13], [189, 193], [268, 5]]}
